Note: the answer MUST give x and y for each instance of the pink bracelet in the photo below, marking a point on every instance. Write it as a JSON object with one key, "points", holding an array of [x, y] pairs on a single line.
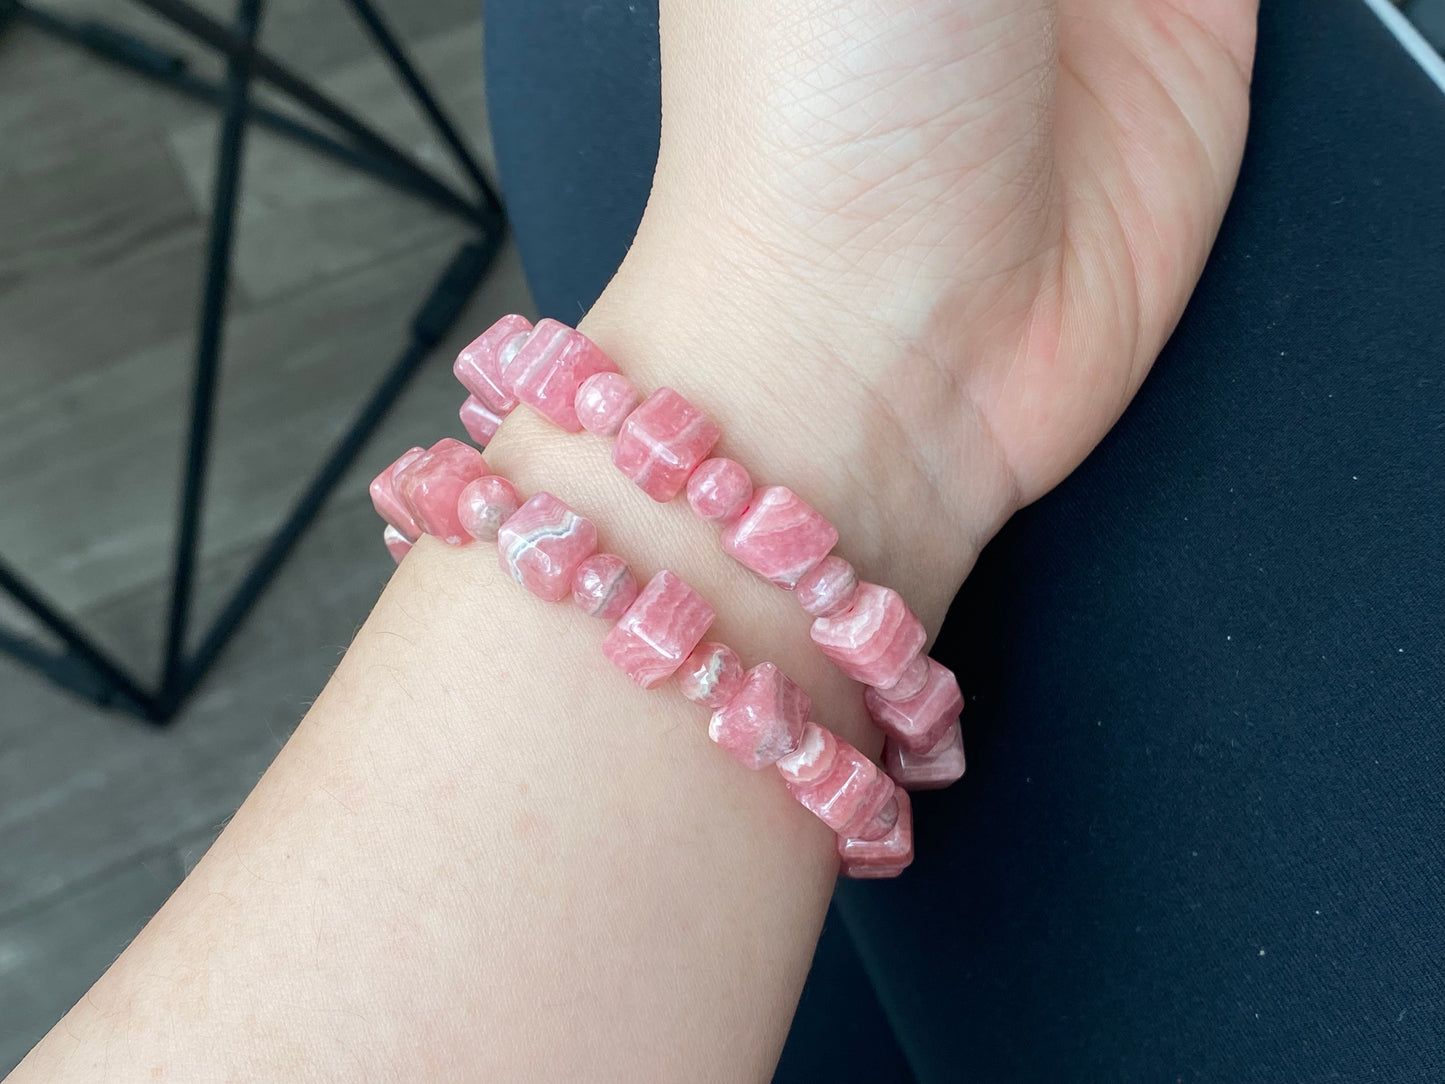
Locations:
{"points": [[759, 715], [663, 443]]}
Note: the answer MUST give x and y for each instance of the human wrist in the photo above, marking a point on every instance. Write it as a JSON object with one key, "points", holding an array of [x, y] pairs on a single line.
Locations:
{"points": [[760, 622], [896, 533], [833, 405]]}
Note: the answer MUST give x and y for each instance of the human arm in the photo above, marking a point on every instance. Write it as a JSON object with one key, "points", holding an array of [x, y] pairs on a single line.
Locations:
{"points": [[484, 853]]}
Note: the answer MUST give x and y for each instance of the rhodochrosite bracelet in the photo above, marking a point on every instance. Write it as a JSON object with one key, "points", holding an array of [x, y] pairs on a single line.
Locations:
{"points": [[759, 715], [663, 443]]}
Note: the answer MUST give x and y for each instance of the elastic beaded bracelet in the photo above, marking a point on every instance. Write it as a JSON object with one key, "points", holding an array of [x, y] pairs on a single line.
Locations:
{"points": [[759, 715], [663, 444]]}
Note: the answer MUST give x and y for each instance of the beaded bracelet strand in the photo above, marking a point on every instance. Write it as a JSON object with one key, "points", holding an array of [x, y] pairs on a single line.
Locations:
{"points": [[759, 715], [663, 444]]}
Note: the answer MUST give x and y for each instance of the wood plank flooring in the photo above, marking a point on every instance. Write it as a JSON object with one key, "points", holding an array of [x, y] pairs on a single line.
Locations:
{"points": [[104, 186]]}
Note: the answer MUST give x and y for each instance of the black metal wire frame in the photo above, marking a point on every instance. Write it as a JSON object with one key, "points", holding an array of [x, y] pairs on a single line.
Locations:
{"points": [[79, 664], [118, 46]]}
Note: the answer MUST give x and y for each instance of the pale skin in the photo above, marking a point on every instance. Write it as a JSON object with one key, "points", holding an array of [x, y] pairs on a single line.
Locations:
{"points": [[915, 256]]}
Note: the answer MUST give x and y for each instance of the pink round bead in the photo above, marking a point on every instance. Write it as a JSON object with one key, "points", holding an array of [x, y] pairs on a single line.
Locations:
{"points": [[511, 348], [828, 589], [940, 767], [484, 504], [712, 675], [603, 586], [719, 489], [603, 400], [914, 678], [397, 544], [885, 857], [479, 420]]}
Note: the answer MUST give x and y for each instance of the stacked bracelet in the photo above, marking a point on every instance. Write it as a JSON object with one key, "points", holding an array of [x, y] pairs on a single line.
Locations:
{"points": [[663, 443], [759, 715]]}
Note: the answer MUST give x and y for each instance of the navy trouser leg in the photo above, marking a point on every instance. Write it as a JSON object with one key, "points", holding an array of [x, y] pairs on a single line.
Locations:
{"points": [[1202, 836]]}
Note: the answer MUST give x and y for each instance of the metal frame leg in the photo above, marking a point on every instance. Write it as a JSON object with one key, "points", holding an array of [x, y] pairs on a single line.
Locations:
{"points": [[202, 26], [230, 149], [449, 294], [387, 42], [119, 46], [82, 666]]}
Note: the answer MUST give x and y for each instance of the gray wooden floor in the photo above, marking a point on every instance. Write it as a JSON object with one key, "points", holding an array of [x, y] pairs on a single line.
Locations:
{"points": [[103, 196]]}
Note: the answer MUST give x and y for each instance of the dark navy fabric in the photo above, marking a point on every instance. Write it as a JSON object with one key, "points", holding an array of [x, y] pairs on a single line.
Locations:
{"points": [[1202, 836], [575, 103]]}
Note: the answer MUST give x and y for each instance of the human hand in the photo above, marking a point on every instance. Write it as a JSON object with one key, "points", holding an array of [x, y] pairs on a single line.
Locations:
{"points": [[947, 238]]}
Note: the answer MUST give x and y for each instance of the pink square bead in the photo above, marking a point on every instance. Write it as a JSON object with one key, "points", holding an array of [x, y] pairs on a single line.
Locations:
{"points": [[658, 631], [480, 365], [764, 719], [541, 544], [940, 767], [388, 505], [837, 783], [779, 536], [396, 543], [479, 420], [712, 675], [919, 722], [603, 401], [551, 366], [865, 859], [430, 484], [873, 640], [662, 442]]}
